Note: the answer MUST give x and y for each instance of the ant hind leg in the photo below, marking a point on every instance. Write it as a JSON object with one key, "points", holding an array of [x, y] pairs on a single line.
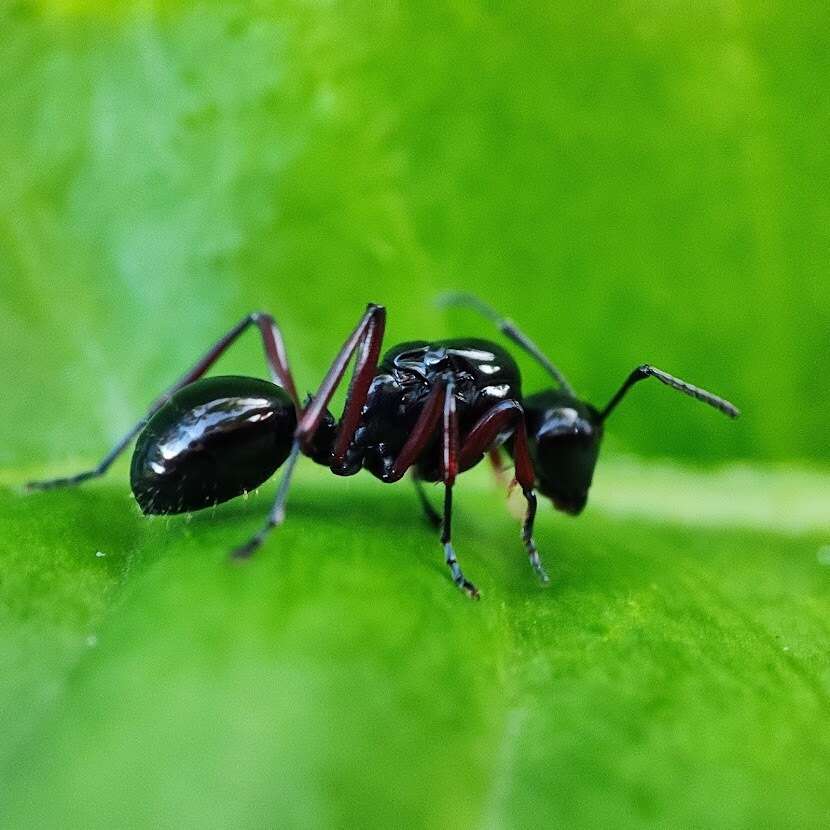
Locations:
{"points": [[449, 552], [275, 357], [277, 513]]}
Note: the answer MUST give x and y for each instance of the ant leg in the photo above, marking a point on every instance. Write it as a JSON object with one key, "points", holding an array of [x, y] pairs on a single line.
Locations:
{"points": [[275, 357], [365, 340], [449, 552], [440, 405], [430, 513], [646, 371], [277, 513], [482, 435], [449, 468], [422, 433], [509, 329]]}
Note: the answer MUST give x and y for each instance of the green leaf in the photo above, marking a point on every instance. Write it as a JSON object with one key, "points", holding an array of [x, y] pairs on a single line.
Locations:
{"points": [[670, 675]]}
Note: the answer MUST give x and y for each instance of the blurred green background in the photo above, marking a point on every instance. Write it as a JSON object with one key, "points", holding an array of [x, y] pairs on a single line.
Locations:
{"points": [[631, 182], [645, 183]]}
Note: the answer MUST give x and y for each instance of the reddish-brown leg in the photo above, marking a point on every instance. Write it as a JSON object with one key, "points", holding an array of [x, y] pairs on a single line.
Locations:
{"points": [[275, 357], [439, 409], [480, 440], [449, 471], [365, 340], [422, 433]]}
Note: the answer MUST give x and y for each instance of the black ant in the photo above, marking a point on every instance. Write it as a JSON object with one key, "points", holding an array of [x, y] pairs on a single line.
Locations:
{"points": [[433, 408]]}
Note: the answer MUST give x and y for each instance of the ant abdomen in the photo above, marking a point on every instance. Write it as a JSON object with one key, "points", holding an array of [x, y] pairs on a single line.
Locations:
{"points": [[213, 440]]}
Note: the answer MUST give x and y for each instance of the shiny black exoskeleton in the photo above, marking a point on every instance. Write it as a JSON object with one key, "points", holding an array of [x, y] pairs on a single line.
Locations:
{"points": [[220, 437], [431, 408], [565, 435], [215, 439], [483, 375]]}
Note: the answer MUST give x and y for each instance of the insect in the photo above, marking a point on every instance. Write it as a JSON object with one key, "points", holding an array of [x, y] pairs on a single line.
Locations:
{"points": [[433, 409]]}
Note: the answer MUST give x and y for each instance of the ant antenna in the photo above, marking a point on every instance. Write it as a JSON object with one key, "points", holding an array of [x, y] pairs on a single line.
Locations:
{"points": [[508, 328], [646, 371]]}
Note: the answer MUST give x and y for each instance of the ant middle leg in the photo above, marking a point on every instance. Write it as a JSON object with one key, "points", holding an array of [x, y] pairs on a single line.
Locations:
{"points": [[494, 422], [365, 341], [439, 411], [449, 552], [275, 357], [449, 470]]}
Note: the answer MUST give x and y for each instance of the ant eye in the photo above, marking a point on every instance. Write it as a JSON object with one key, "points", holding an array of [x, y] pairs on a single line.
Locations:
{"points": [[564, 421]]}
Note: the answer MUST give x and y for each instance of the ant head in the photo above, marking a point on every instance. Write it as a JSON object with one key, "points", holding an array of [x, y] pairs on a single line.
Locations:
{"points": [[564, 435]]}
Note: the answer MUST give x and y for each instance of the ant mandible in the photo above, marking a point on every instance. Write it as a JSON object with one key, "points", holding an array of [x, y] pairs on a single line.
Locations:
{"points": [[434, 408]]}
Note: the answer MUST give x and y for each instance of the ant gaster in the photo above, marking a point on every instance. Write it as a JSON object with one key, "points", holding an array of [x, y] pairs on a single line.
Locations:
{"points": [[434, 409]]}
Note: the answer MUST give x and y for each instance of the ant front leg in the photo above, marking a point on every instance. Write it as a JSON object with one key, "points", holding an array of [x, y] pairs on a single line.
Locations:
{"points": [[439, 409], [275, 357], [484, 432], [365, 341]]}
